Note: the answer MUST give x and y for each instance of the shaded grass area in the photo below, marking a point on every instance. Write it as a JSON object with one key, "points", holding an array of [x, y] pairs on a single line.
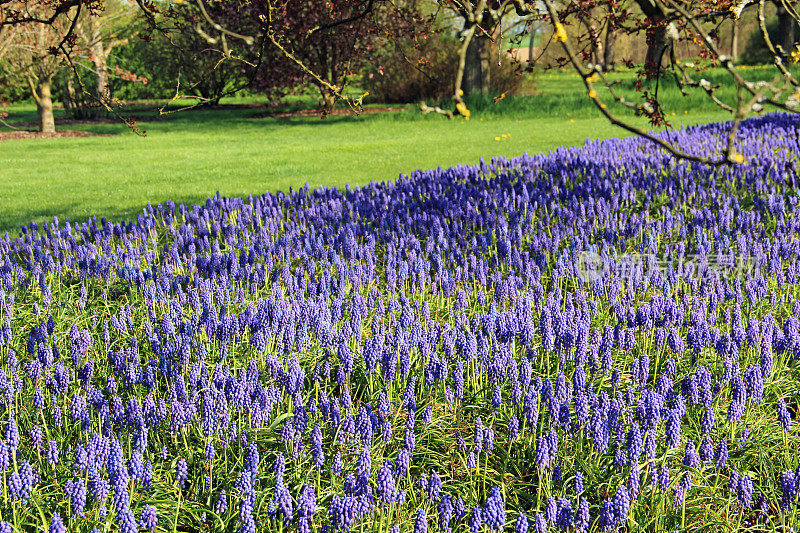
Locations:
{"points": [[562, 93], [188, 156]]}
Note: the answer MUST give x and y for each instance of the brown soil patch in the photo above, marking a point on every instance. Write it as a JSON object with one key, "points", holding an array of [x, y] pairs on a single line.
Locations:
{"points": [[317, 113], [64, 121], [155, 105], [29, 133], [26, 134]]}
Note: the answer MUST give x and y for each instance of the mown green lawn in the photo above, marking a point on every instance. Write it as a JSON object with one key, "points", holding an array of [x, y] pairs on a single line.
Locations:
{"points": [[195, 153]]}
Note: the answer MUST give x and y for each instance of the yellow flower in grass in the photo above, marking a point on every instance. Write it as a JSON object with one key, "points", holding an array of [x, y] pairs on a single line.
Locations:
{"points": [[737, 158], [462, 109]]}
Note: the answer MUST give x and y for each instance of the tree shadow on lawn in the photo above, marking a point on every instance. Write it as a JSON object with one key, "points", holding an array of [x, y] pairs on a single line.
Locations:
{"points": [[19, 135], [77, 213], [209, 119], [12, 220]]}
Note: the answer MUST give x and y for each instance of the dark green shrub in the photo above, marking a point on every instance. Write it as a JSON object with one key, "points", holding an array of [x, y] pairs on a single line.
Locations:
{"points": [[169, 60], [403, 73], [755, 50]]}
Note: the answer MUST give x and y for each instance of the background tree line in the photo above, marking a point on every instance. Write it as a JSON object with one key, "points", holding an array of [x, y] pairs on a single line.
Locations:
{"points": [[91, 54]]}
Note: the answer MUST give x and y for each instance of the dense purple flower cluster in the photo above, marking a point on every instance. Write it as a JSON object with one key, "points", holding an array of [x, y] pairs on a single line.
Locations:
{"points": [[149, 518], [597, 323]]}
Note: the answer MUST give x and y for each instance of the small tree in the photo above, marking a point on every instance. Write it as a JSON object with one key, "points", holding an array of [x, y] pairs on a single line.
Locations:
{"points": [[98, 32], [31, 56], [292, 44], [481, 24], [319, 42], [84, 89]]}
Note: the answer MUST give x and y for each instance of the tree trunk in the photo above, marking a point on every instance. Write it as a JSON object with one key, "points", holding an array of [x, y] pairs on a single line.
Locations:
{"points": [[658, 42], [658, 38], [609, 58], [531, 43], [44, 105], [98, 58], [594, 38], [328, 99], [476, 67], [69, 98], [786, 29], [597, 45], [735, 40]]}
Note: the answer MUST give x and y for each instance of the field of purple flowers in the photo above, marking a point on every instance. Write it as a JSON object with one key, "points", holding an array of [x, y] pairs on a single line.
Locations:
{"points": [[595, 339]]}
